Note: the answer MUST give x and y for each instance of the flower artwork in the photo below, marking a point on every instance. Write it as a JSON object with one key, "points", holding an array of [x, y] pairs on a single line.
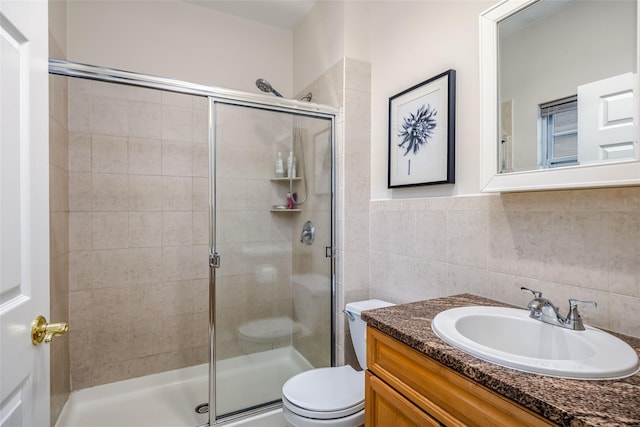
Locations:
{"points": [[422, 133], [417, 129]]}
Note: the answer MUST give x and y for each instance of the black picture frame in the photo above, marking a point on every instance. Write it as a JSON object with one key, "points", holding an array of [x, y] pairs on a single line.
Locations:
{"points": [[422, 133]]}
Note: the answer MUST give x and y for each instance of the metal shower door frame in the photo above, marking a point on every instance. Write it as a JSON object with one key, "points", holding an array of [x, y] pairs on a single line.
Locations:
{"points": [[216, 259], [230, 97]]}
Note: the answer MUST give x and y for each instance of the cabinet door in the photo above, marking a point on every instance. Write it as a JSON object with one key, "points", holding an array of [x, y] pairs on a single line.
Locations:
{"points": [[384, 407]]}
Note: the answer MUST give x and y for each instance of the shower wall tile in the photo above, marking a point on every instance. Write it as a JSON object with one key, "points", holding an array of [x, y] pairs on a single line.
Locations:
{"points": [[176, 263], [145, 229], [80, 192], [138, 253], [59, 185], [177, 228], [200, 296], [109, 192], [201, 103], [109, 154], [178, 99], [59, 254], [177, 193], [110, 268], [80, 269], [200, 193], [145, 193], [79, 152], [145, 156], [109, 116], [59, 153], [145, 265], [200, 261], [232, 226], [257, 227], [176, 123], [200, 124], [177, 158], [145, 119], [80, 230], [59, 233], [98, 89], [200, 161], [110, 230], [79, 112], [231, 194], [142, 94]]}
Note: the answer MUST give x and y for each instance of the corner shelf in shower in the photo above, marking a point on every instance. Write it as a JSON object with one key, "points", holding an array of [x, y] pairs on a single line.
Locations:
{"points": [[297, 178], [285, 210]]}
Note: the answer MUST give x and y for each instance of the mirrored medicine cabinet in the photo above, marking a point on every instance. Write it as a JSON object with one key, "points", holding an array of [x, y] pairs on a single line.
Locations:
{"points": [[559, 101]]}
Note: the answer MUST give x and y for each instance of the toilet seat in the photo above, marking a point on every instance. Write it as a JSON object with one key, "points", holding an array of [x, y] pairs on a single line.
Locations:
{"points": [[325, 393]]}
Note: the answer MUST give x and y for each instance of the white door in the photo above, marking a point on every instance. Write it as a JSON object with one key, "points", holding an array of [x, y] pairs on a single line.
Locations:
{"points": [[24, 211], [606, 125]]}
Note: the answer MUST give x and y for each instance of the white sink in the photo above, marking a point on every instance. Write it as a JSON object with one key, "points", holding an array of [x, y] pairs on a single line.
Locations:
{"points": [[509, 337]]}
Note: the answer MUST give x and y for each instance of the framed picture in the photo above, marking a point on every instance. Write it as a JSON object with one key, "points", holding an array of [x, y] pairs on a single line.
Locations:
{"points": [[422, 133]]}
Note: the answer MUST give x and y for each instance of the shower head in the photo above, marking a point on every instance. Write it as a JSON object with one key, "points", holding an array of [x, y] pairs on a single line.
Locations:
{"points": [[265, 86]]}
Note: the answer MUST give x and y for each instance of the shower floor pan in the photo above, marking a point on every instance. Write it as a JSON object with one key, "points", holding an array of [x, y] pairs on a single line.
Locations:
{"points": [[169, 398]]}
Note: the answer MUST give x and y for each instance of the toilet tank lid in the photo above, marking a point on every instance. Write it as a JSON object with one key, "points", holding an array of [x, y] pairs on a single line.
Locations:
{"points": [[358, 307]]}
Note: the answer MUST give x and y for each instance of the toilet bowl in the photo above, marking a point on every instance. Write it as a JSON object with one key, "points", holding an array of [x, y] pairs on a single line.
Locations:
{"points": [[332, 396]]}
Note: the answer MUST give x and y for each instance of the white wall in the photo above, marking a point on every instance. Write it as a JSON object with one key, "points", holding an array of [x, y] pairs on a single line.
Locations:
{"points": [[180, 40], [318, 42], [410, 43]]}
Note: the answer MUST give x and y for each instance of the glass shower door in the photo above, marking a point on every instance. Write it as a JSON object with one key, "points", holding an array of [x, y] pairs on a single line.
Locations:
{"points": [[273, 298]]}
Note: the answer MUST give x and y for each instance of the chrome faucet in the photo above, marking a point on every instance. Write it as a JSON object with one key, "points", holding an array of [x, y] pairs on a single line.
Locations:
{"points": [[542, 309]]}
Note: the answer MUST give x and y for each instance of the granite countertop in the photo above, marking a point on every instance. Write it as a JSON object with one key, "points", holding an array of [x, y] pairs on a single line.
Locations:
{"points": [[566, 402]]}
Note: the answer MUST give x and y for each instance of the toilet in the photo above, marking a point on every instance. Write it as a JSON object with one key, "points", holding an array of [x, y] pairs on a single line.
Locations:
{"points": [[332, 396]]}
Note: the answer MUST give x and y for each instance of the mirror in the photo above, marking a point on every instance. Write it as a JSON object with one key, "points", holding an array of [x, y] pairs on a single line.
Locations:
{"points": [[559, 101]]}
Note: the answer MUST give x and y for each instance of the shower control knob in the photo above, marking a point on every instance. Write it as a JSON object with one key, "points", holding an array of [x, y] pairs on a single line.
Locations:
{"points": [[308, 233]]}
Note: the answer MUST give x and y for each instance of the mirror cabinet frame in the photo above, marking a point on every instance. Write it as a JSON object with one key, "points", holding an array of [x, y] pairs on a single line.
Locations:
{"points": [[610, 174]]}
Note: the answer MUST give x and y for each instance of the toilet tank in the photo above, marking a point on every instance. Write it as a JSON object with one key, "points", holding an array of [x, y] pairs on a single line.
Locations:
{"points": [[358, 327]]}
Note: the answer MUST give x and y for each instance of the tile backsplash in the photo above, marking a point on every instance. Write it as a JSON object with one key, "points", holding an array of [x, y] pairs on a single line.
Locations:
{"points": [[582, 244]]}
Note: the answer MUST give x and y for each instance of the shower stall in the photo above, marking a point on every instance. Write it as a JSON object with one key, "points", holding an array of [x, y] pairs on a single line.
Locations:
{"points": [[214, 272]]}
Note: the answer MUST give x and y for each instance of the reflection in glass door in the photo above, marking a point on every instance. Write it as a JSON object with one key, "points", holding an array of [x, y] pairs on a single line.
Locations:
{"points": [[273, 228]]}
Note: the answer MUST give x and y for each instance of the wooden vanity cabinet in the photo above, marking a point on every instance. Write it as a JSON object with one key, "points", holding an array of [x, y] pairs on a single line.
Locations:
{"points": [[405, 388]]}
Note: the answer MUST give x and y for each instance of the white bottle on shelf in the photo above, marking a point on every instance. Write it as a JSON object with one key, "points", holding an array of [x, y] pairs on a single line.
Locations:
{"points": [[291, 166], [279, 166]]}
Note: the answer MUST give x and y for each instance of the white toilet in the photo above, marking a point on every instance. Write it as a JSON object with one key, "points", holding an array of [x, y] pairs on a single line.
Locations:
{"points": [[332, 396]]}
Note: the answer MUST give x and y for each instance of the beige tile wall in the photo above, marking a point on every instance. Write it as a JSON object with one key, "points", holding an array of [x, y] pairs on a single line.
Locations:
{"points": [[582, 244], [348, 85], [138, 226], [59, 237]]}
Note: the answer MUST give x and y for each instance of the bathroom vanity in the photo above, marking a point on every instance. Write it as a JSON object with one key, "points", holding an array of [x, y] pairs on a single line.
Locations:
{"points": [[416, 379]]}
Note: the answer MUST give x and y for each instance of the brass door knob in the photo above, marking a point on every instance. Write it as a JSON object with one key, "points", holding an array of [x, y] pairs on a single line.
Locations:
{"points": [[41, 330]]}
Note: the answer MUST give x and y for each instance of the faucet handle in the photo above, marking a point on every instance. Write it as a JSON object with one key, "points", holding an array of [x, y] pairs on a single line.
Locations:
{"points": [[573, 318], [574, 303], [536, 294]]}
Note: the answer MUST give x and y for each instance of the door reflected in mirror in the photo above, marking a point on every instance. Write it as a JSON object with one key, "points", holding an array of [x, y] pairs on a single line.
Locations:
{"points": [[566, 84]]}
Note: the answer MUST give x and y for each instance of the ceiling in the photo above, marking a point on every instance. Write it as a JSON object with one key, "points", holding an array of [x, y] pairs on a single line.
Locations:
{"points": [[278, 13]]}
